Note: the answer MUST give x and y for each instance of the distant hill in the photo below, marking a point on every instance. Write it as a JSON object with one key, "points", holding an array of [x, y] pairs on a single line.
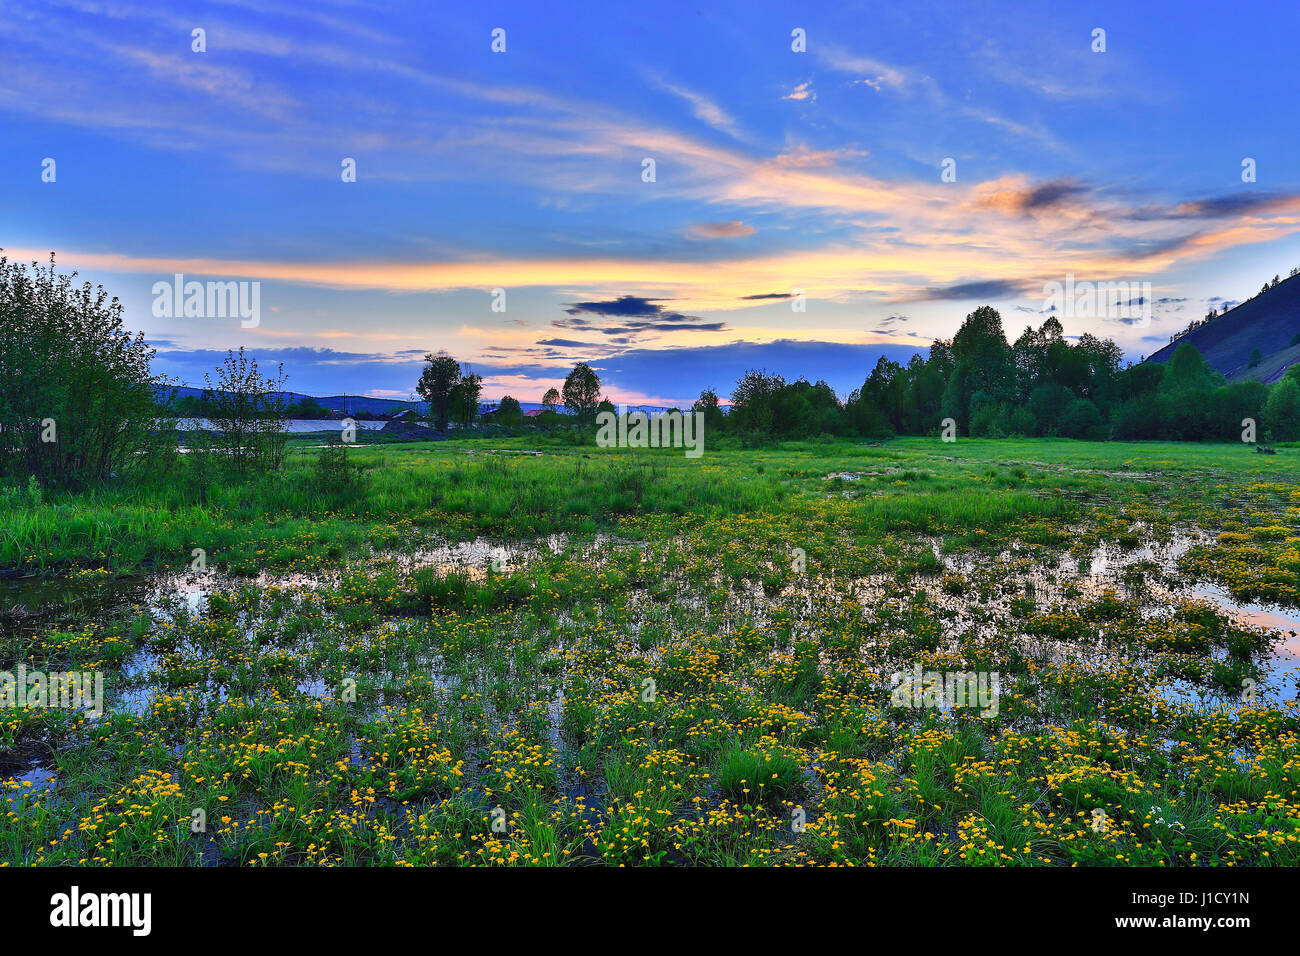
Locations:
{"points": [[339, 403], [352, 404], [1267, 322]]}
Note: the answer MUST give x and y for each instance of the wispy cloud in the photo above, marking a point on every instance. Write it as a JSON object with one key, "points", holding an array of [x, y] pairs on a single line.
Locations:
{"points": [[702, 108], [734, 229]]}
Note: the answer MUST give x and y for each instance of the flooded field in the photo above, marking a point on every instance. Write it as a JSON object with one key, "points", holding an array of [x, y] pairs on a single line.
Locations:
{"points": [[770, 683]]}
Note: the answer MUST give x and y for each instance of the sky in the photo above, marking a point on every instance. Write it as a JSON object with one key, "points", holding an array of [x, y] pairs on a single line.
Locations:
{"points": [[829, 183]]}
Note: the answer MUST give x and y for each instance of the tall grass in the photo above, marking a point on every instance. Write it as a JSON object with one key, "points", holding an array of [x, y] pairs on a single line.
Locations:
{"points": [[460, 490]]}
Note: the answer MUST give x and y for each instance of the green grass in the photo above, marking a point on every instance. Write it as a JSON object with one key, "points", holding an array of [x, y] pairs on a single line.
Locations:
{"points": [[460, 489], [698, 673]]}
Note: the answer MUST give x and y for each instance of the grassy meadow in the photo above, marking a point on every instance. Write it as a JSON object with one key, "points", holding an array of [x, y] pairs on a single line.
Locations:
{"points": [[518, 652]]}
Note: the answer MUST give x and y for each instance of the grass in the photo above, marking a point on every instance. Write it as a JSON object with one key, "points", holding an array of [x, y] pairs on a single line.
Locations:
{"points": [[678, 662]]}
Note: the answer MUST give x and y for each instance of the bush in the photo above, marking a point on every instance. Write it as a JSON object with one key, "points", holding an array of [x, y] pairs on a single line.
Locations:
{"points": [[335, 472], [248, 411], [78, 401], [1081, 419], [1282, 411]]}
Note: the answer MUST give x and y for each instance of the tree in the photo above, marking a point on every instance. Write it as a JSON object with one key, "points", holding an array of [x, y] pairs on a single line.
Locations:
{"points": [[864, 418], [510, 412], [708, 404], [550, 400], [1047, 406], [1256, 356], [1187, 372], [78, 400], [248, 412], [582, 392], [307, 407], [464, 397], [1081, 419], [886, 389], [753, 403], [1282, 411], [437, 380], [980, 346]]}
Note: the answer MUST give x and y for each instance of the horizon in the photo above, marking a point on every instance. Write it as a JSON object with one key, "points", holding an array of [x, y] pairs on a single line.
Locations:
{"points": [[775, 170]]}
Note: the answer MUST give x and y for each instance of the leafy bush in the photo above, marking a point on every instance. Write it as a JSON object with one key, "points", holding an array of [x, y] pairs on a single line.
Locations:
{"points": [[78, 402]]}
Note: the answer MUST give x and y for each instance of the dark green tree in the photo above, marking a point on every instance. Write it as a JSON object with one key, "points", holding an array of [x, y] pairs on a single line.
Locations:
{"points": [[582, 392], [437, 380]]}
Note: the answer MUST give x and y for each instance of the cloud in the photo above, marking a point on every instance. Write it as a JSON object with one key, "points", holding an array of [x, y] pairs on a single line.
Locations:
{"points": [[623, 305], [801, 157], [646, 316], [1218, 207], [1018, 198], [720, 230], [987, 289], [803, 91], [867, 70], [703, 108]]}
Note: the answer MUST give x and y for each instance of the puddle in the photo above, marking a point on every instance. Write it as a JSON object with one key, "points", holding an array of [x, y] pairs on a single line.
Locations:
{"points": [[1017, 571]]}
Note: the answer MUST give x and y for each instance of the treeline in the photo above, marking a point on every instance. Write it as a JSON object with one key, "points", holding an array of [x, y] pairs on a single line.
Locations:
{"points": [[1041, 385], [80, 403], [306, 407]]}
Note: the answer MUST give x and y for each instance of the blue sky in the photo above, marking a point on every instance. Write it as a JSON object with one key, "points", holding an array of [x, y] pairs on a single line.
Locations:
{"points": [[775, 170]]}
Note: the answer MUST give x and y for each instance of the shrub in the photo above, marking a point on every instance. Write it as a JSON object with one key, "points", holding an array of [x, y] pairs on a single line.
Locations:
{"points": [[78, 401]]}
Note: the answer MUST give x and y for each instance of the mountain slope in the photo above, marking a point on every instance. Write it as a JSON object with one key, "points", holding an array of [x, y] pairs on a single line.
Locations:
{"points": [[1267, 322]]}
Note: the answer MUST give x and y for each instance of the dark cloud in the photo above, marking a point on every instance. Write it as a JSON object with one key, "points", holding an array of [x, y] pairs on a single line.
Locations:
{"points": [[991, 289], [1144, 249], [668, 327], [1052, 193], [767, 295], [720, 230], [1213, 207], [624, 305], [1022, 202], [646, 316]]}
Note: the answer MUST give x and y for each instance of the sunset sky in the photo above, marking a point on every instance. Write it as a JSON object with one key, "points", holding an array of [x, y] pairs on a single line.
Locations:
{"points": [[775, 170]]}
